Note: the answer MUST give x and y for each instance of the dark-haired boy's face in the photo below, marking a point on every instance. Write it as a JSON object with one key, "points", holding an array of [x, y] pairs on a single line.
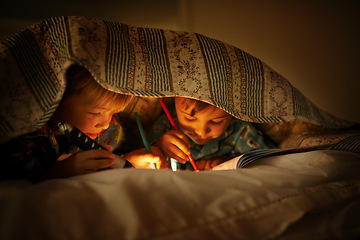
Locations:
{"points": [[204, 126]]}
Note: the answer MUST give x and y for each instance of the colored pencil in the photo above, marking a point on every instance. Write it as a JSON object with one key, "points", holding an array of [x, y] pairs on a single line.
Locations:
{"points": [[143, 137], [176, 128]]}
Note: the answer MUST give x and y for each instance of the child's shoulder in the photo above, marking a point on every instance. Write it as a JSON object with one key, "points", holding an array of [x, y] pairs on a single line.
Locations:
{"points": [[239, 126], [238, 123], [114, 135]]}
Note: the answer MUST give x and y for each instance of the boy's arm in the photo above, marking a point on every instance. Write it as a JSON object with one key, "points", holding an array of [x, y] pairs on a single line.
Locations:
{"points": [[208, 164]]}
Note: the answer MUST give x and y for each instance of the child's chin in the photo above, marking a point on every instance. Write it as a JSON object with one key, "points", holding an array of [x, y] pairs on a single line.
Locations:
{"points": [[200, 142], [92, 136]]}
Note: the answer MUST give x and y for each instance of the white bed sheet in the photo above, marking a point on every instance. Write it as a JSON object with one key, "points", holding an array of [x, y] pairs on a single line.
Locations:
{"points": [[313, 195]]}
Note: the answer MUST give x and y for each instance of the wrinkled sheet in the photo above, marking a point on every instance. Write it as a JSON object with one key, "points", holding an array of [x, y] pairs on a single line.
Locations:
{"points": [[298, 196]]}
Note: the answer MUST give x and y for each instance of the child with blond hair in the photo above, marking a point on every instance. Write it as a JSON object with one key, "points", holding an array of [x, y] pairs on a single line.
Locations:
{"points": [[208, 133], [90, 108]]}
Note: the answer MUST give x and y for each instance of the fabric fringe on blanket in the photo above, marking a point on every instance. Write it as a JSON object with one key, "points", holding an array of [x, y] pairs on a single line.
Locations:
{"points": [[143, 62]]}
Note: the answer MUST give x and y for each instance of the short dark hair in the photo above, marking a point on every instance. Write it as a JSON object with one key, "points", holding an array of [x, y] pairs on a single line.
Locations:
{"points": [[194, 105]]}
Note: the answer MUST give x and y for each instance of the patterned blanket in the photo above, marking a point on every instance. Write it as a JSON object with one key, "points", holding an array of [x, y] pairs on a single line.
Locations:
{"points": [[143, 62]]}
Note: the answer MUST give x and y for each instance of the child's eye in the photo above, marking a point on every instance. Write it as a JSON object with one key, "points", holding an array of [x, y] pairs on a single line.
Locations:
{"points": [[189, 119], [95, 113], [216, 122]]}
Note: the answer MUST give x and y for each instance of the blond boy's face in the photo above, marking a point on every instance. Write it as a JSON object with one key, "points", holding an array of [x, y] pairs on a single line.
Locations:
{"points": [[88, 118], [204, 126]]}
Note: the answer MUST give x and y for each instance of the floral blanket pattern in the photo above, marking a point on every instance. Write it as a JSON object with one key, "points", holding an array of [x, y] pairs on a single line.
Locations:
{"points": [[144, 62]]}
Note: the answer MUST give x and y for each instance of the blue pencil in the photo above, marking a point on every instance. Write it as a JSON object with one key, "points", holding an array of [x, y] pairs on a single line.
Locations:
{"points": [[143, 137]]}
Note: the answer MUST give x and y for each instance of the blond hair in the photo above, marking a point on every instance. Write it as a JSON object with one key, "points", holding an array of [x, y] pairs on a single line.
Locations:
{"points": [[80, 81]]}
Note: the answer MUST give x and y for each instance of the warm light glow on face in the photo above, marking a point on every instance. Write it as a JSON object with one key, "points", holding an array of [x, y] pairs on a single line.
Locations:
{"points": [[89, 119], [204, 126]]}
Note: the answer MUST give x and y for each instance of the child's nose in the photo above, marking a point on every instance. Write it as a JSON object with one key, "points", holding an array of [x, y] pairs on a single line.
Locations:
{"points": [[104, 123], [202, 130]]}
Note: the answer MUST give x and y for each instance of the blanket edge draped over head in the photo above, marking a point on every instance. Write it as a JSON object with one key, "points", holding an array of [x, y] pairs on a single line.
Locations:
{"points": [[144, 62]]}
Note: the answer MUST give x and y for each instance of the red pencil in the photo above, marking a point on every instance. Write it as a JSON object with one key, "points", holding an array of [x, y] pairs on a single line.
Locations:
{"points": [[175, 127]]}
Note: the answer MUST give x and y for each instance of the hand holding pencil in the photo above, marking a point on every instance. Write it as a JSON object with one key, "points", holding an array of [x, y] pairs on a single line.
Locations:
{"points": [[143, 137], [150, 150], [177, 130]]}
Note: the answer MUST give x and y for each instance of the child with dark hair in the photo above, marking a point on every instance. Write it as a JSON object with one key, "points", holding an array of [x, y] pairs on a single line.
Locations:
{"points": [[208, 133]]}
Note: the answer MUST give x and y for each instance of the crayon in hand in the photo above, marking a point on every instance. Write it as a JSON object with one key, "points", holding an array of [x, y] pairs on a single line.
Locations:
{"points": [[176, 128], [143, 137]]}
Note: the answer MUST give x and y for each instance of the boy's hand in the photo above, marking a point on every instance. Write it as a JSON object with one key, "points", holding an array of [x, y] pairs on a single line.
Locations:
{"points": [[140, 158], [174, 144], [83, 162], [108, 147], [208, 164]]}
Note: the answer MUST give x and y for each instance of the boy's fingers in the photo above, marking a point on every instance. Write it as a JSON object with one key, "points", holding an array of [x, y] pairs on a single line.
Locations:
{"points": [[98, 154], [176, 137], [180, 160], [182, 138], [156, 151], [180, 144], [176, 153], [100, 163], [208, 165], [215, 163], [108, 147], [151, 158], [201, 164], [159, 158]]}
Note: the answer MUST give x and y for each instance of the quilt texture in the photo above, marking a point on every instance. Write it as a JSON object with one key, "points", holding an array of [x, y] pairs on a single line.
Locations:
{"points": [[143, 62]]}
